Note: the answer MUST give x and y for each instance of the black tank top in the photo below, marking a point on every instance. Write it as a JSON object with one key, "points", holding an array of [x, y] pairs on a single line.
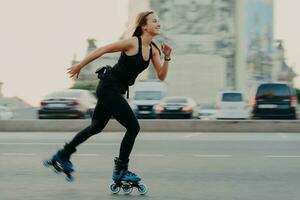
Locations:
{"points": [[129, 67]]}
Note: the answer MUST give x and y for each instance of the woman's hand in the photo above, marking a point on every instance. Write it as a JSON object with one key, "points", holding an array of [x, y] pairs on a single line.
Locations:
{"points": [[166, 49], [74, 71]]}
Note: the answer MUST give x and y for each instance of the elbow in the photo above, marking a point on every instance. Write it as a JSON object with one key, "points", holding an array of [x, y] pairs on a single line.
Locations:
{"points": [[162, 78]]}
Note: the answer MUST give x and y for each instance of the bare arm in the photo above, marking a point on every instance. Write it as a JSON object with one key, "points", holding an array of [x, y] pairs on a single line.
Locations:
{"points": [[161, 69], [123, 45]]}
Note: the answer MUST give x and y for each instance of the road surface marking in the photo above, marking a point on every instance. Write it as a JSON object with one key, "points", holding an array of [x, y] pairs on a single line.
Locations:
{"points": [[18, 154], [274, 156], [86, 155], [282, 135], [148, 155], [192, 135], [48, 143], [212, 156]]}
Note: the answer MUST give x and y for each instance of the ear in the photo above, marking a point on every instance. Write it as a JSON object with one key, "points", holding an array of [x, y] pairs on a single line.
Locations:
{"points": [[144, 28]]}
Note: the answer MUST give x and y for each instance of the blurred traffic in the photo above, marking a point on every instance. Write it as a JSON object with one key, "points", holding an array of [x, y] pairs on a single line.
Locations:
{"points": [[72, 103], [176, 107], [150, 101]]}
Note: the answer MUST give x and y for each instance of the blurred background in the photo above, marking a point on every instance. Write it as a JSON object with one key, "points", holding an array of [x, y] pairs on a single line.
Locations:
{"points": [[231, 58]]}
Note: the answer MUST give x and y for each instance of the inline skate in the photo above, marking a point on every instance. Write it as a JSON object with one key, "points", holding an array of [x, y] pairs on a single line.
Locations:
{"points": [[61, 163], [125, 180]]}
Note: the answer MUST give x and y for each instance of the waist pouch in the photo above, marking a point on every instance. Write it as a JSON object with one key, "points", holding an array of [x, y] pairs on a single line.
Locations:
{"points": [[102, 71], [106, 71]]}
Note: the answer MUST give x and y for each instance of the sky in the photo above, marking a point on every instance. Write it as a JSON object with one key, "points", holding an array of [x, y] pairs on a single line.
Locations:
{"points": [[286, 13], [39, 38]]}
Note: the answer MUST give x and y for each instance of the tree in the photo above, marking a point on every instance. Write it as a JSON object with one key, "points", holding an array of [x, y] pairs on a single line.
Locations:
{"points": [[85, 86]]}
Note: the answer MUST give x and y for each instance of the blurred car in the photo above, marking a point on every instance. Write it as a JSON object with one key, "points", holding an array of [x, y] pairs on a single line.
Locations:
{"points": [[71, 103], [143, 103], [231, 105], [146, 95], [275, 100], [5, 113], [176, 107], [207, 111]]}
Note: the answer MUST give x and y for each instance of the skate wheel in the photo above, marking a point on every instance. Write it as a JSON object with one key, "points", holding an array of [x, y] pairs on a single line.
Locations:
{"points": [[69, 178], [127, 189], [142, 188], [46, 163], [114, 188], [56, 171]]}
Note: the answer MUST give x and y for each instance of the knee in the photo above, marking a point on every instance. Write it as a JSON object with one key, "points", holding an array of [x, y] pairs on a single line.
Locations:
{"points": [[134, 128], [96, 127]]}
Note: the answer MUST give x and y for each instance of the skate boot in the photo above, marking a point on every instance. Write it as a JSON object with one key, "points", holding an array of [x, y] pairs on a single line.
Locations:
{"points": [[61, 163], [125, 179]]}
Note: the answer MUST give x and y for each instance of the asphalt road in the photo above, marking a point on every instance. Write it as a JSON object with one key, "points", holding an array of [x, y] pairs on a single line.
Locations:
{"points": [[175, 166]]}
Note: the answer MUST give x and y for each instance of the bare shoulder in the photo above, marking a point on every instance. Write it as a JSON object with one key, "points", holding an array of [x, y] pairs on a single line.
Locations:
{"points": [[133, 40], [132, 45]]}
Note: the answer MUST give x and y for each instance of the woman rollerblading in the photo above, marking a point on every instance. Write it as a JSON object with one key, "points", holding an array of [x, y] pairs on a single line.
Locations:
{"points": [[136, 54]]}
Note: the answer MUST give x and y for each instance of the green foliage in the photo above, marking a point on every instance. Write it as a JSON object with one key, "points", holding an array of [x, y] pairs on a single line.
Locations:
{"points": [[85, 86]]}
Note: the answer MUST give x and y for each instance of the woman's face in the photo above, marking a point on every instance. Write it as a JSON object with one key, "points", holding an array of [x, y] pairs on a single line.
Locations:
{"points": [[153, 25]]}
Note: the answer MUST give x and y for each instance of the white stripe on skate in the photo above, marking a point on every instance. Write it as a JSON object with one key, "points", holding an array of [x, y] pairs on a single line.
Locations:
{"points": [[212, 156], [43, 143], [18, 154], [147, 155]]}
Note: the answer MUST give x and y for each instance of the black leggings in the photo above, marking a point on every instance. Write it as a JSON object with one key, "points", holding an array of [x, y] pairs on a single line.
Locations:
{"points": [[110, 103]]}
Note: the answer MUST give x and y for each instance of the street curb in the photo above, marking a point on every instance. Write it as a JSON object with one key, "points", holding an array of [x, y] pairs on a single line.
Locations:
{"points": [[290, 126]]}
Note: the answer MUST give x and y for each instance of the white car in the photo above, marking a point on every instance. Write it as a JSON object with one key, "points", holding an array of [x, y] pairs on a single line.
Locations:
{"points": [[231, 105], [5, 113]]}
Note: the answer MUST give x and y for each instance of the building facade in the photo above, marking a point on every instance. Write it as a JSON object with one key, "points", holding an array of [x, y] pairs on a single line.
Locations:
{"points": [[281, 70]]}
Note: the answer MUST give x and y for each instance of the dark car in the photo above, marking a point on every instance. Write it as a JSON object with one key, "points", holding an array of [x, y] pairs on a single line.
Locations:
{"points": [[275, 100], [71, 103], [176, 107]]}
